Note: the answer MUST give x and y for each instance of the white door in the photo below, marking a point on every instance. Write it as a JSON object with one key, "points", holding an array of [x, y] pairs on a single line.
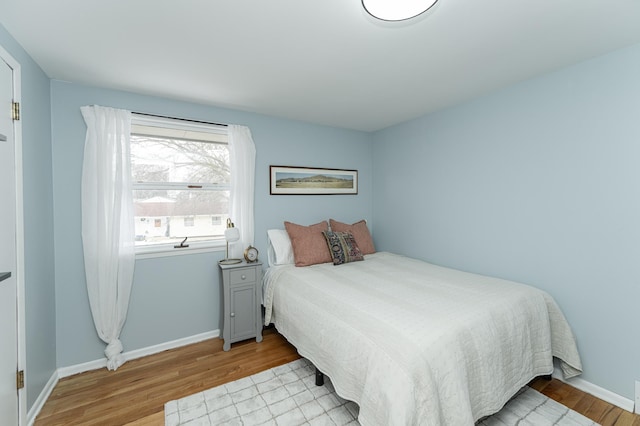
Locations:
{"points": [[8, 259]]}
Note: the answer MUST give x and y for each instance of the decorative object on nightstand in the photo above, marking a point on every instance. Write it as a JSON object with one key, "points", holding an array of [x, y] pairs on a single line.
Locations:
{"points": [[231, 235], [251, 254], [242, 316]]}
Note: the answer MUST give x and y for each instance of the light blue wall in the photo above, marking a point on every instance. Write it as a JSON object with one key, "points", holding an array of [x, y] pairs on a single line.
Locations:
{"points": [[539, 183], [38, 220], [176, 297]]}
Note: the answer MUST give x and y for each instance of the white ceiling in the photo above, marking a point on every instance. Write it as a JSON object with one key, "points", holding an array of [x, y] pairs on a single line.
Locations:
{"points": [[324, 62]]}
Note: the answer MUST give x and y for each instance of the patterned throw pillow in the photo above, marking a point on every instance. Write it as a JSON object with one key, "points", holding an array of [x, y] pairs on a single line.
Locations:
{"points": [[343, 247]]}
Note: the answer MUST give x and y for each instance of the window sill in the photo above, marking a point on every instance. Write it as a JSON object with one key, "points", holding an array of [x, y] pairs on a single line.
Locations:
{"points": [[151, 252]]}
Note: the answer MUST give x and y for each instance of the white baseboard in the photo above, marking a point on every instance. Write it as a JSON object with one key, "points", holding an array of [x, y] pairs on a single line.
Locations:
{"points": [[597, 391], [42, 398], [138, 353], [102, 363]]}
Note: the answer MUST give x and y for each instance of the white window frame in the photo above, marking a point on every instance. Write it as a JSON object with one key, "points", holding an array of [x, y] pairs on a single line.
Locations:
{"points": [[168, 249]]}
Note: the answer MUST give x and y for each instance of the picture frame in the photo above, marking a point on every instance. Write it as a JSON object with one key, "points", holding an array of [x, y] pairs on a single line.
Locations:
{"points": [[288, 180]]}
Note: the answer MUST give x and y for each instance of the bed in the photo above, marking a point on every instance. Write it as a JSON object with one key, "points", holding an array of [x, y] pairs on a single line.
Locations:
{"points": [[417, 344]]}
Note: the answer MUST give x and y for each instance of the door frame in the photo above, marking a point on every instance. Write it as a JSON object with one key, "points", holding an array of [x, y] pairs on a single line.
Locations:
{"points": [[20, 271]]}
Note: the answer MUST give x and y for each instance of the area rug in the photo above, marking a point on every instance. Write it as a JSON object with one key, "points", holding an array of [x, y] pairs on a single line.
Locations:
{"points": [[287, 395]]}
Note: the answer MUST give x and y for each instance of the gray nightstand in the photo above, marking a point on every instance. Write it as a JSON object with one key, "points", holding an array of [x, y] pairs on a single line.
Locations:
{"points": [[242, 316]]}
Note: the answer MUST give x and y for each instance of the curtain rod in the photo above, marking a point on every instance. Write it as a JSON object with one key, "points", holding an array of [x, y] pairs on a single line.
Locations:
{"points": [[177, 118]]}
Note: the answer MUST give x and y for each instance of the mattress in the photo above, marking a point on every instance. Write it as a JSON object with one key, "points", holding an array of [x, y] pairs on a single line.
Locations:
{"points": [[417, 344]]}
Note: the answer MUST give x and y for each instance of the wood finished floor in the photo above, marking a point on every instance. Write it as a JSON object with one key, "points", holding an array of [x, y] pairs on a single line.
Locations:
{"points": [[135, 394]]}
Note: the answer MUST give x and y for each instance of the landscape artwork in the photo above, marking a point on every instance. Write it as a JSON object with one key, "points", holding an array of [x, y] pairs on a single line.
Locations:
{"points": [[287, 180]]}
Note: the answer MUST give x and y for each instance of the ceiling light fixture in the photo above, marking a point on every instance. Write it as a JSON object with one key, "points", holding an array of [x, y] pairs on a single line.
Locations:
{"points": [[396, 10]]}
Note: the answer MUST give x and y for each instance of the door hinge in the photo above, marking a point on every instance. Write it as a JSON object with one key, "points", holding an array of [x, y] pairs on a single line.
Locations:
{"points": [[15, 111], [20, 379]]}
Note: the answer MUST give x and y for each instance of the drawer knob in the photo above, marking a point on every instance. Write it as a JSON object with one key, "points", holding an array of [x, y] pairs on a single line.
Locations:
{"points": [[233, 314], [244, 277]]}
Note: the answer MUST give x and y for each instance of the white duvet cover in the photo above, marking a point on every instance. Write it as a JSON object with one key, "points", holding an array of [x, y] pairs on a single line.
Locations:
{"points": [[417, 344]]}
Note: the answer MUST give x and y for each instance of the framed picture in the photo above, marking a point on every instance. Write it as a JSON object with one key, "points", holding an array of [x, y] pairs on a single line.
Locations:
{"points": [[285, 180]]}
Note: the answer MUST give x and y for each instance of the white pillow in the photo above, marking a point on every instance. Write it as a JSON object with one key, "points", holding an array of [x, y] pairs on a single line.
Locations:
{"points": [[280, 251]]}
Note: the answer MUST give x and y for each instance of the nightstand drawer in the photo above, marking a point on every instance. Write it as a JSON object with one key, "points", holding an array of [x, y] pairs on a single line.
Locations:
{"points": [[246, 275]]}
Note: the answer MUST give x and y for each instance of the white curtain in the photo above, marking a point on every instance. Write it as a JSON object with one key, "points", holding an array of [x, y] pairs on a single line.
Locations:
{"points": [[107, 223], [242, 152]]}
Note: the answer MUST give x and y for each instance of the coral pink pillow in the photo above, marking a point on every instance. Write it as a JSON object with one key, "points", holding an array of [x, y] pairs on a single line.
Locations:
{"points": [[309, 244], [360, 233]]}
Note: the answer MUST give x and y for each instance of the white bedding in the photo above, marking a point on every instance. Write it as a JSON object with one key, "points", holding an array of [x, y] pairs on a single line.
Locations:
{"points": [[417, 344]]}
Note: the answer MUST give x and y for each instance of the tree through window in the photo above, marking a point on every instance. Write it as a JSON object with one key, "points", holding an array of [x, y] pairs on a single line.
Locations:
{"points": [[180, 172]]}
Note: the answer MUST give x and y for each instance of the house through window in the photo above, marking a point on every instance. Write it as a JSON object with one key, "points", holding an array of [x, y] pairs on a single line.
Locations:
{"points": [[180, 172]]}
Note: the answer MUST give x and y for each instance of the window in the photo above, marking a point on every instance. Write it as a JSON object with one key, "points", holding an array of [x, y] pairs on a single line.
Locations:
{"points": [[180, 172]]}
